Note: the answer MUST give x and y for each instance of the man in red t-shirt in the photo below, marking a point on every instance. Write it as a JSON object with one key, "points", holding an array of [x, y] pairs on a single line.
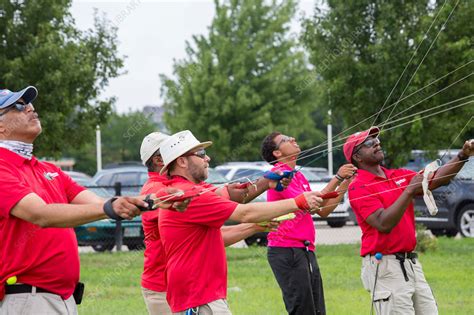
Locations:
{"points": [[39, 267], [154, 277], [382, 200], [196, 266]]}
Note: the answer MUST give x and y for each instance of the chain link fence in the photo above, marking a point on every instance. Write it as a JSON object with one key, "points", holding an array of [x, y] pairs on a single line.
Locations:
{"points": [[107, 234]]}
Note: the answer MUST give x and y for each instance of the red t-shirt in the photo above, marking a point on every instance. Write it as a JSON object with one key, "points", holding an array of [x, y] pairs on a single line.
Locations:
{"points": [[196, 261], [368, 193], [44, 257], [153, 277]]}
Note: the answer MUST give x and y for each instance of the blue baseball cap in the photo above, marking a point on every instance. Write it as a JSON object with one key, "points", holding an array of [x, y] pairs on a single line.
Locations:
{"points": [[8, 97]]}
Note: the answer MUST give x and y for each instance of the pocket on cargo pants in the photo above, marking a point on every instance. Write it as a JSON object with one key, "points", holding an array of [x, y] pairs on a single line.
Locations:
{"points": [[383, 302]]}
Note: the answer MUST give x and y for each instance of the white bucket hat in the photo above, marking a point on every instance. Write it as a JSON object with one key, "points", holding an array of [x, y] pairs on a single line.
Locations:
{"points": [[177, 145], [150, 144]]}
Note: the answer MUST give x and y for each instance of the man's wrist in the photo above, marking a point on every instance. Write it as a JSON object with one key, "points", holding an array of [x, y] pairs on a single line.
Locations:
{"points": [[109, 210], [462, 156], [339, 178], [410, 191]]}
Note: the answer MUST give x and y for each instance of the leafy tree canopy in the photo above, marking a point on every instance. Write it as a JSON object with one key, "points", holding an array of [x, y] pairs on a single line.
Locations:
{"points": [[360, 49], [239, 83], [40, 46], [121, 138]]}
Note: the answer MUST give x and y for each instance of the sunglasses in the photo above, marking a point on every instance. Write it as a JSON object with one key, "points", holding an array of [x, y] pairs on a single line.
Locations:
{"points": [[369, 143], [200, 154], [283, 140], [18, 106]]}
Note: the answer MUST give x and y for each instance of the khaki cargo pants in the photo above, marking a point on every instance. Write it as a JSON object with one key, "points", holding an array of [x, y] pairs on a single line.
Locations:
{"points": [[156, 303], [218, 307], [37, 304], [393, 294]]}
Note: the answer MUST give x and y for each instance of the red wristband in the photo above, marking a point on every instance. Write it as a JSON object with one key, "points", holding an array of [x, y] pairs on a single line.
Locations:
{"points": [[301, 202]]}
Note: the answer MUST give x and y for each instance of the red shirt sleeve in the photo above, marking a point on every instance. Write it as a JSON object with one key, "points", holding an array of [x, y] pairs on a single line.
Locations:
{"points": [[364, 202], [209, 209], [71, 188], [12, 189]]}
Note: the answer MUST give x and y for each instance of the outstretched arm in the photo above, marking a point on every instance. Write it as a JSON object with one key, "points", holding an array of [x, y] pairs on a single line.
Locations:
{"points": [[346, 173], [264, 211], [235, 233], [447, 172]]}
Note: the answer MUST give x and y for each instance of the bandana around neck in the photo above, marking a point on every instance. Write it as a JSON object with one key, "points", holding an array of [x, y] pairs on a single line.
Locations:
{"points": [[21, 148]]}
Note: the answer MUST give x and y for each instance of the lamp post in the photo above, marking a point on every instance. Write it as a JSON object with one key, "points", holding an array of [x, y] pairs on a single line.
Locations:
{"points": [[329, 143], [98, 148]]}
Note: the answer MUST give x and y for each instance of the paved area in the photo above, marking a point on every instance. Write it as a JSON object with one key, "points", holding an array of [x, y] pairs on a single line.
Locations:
{"points": [[348, 234]]}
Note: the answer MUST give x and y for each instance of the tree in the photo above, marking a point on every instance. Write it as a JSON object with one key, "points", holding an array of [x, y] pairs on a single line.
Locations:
{"points": [[239, 83], [121, 136], [359, 50], [40, 45]]}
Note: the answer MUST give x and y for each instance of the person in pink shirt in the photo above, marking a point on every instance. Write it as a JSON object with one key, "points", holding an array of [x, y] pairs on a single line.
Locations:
{"points": [[291, 247]]}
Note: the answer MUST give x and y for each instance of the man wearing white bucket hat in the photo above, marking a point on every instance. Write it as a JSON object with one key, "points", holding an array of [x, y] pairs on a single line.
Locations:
{"points": [[154, 277], [196, 263]]}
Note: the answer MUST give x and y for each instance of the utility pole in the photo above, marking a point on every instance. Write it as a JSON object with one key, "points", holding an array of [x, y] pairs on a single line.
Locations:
{"points": [[99, 148], [330, 143]]}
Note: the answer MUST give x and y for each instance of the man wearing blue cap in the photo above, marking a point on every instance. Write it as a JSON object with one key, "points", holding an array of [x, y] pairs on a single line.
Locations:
{"points": [[39, 269]]}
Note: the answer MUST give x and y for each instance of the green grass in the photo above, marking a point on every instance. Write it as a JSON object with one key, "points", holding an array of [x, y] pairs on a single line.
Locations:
{"points": [[113, 280]]}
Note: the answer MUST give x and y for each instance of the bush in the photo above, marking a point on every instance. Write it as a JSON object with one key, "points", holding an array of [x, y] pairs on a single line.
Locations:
{"points": [[425, 241]]}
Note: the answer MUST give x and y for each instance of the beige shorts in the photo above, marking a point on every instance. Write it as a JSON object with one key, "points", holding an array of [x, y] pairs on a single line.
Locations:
{"points": [[217, 307], [37, 304], [156, 303], [393, 294]]}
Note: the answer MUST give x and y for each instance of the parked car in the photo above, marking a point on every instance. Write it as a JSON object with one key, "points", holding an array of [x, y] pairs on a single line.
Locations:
{"points": [[101, 234], [80, 178], [320, 172], [455, 206], [131, 176], [240, 171]]}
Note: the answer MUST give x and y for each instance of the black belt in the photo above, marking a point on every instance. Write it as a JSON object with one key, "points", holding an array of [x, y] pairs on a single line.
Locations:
{"points": [[401, 257], [23, 288]]}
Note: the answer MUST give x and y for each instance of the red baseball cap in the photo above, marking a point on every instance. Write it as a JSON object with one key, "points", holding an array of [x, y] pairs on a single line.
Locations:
{"points": [[356, 139]]}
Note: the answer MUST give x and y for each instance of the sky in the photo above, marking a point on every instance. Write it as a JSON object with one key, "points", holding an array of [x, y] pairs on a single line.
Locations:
{"points": [[151, 34]]}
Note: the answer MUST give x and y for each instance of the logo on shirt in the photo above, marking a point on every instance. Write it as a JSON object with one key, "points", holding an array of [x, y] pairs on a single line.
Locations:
{"points": [[399, 182], [50, 176]]}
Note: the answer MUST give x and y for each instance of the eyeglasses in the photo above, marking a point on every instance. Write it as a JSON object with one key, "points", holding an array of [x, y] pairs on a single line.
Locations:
{"points": [[200, 153], [18, 106], [283, 140], [369, 143]]}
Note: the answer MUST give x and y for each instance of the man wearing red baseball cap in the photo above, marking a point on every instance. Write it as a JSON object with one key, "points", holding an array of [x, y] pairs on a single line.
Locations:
{"points": [[381, 199]]}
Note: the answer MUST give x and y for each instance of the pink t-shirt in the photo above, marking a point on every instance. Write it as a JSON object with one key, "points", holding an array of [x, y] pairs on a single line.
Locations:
{"points": [[292, 233]]}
